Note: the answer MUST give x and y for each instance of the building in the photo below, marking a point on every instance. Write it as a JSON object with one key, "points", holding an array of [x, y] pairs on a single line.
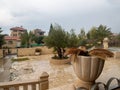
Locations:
{"points": [[17, 31], [14, 40], [38, 32]]}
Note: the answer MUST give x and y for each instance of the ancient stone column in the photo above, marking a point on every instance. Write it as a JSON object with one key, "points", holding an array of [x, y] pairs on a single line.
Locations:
{"points": [[105, 43]]}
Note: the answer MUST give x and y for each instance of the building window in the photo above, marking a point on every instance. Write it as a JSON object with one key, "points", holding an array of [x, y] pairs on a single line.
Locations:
{"points": [[19, 34], [14, 34], [10, 42]]}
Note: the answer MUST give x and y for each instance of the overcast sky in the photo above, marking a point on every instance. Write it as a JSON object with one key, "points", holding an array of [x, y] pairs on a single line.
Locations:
{"points": [[70, 14]]}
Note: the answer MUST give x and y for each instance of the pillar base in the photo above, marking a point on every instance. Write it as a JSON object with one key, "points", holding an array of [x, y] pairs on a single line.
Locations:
{"points": [[87, 85]]}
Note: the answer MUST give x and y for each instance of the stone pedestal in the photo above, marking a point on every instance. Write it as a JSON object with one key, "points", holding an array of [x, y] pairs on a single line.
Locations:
{"points": [[105, 43]]}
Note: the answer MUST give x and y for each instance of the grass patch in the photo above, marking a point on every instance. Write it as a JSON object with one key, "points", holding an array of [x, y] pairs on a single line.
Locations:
{"points": [[19, 59]]}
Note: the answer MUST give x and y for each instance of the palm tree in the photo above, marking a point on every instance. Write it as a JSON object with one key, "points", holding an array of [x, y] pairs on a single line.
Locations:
{"points": [[97, 34], [102, 32]]}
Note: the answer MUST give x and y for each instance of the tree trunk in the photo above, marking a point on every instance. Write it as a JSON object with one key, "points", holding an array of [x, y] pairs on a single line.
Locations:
{"points": [[59, 53]]}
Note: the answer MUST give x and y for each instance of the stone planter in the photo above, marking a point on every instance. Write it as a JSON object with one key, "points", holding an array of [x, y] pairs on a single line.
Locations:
{"points": [[37, 53], [60, 61], [87, 69]]}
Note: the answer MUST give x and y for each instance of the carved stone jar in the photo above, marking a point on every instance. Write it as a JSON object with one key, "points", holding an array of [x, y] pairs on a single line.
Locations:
{"points": [[87, 69]]}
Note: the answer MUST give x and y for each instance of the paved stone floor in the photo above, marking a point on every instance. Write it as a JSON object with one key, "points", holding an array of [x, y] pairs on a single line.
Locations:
{"points": [[5, 65], [61, 77]]}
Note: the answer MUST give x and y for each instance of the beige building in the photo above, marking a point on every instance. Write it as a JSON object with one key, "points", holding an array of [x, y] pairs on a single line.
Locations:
{"points": [[17, 31], [38, 32], [14, 40]]}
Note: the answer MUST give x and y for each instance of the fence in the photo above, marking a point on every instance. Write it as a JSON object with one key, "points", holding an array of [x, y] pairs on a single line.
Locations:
{"points": [[41, 84]]}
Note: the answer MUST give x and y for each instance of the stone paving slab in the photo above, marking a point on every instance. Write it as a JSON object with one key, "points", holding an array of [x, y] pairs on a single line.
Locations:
{"points": [[61, 77], [65, 87]]}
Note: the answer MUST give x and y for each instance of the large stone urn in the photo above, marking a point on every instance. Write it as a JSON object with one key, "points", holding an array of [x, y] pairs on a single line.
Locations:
{"points": [[87, 69]]}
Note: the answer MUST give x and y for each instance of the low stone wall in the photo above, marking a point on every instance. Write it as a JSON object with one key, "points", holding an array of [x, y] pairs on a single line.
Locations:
{"points": [[116, 55], [12, 51], [46, 50], [31, 51], [26, 51], [8, 51]]}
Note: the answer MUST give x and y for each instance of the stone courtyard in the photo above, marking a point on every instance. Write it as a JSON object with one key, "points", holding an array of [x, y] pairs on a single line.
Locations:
{"points": [[61, 77]]}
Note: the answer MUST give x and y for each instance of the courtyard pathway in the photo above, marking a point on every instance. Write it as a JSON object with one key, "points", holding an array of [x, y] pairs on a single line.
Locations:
{"points": [[61, 77]]}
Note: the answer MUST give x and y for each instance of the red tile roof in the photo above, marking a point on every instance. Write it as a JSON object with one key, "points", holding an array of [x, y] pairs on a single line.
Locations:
{"points": [[18, 28], [11, 38]]}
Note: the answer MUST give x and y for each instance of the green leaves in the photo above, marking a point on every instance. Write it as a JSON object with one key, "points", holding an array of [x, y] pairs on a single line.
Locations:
{"points": [[97, 34], [26, 38], [2, 41], [59, 39], [56, 37], [73, 40]]}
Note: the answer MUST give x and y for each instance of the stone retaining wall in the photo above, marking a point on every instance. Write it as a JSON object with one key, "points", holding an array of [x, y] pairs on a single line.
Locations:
{"points": [[116, 55], [31, 51], [13, 51]]}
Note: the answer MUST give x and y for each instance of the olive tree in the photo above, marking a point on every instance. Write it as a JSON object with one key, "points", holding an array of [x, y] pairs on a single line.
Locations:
{"points": [[57, 39], [73, 39]]}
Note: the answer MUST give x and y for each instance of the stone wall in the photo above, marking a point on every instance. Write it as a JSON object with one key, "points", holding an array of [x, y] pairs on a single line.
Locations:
{"points": [[10, 45], [1, 53], [116, 55], [14, 50], [31, 51]]}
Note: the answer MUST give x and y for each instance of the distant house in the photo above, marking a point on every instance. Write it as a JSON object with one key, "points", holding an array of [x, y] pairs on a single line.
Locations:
{"points": [[38, 32], [17, 31], [14, 40]]}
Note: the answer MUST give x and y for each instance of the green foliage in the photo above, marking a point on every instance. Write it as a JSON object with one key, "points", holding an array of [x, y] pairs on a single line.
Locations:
{"points": [[92, 34], [2, 41], [19, 59], [73, 40], [57, 39], [26, 39], [60, 39], [38, 39], [118, 36], [102, 32], [82, 38], [51, 28], [97, 34], [83, 42], [82, 34]]}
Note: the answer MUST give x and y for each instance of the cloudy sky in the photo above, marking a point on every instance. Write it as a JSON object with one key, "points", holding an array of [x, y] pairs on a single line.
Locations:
{"points": [[69, 14]]}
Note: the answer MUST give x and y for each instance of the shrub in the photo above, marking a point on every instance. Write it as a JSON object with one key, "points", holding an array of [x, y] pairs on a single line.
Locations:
{"points": [[38, 50]]}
